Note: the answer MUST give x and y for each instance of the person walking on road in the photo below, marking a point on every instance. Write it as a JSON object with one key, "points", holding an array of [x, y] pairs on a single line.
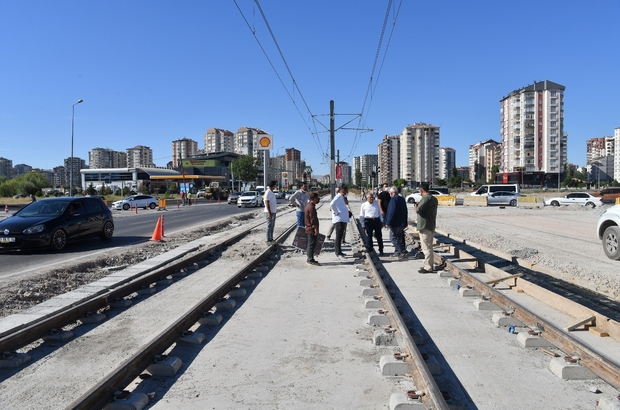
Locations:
{"points": [[311, 222], [300, 199], [271, 207], [340, 218], [396, 222], [426, 209], [384, 200], [371, 221]]}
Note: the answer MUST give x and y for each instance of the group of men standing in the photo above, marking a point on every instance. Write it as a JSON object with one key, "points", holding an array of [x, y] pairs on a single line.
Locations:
{"points": [[389, 211]]}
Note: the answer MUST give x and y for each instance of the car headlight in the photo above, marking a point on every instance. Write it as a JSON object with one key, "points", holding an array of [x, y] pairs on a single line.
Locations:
{"points": [[34, 229]]}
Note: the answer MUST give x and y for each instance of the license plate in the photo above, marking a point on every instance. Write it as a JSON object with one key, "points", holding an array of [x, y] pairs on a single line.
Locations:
{"points": [[6, 240]]}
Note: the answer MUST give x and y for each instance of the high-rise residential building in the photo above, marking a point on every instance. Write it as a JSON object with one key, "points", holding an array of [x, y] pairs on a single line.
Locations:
{"points": [[419, 154], [60, 177], [532, 129], [219, 140], [106, 158], [367, 165], [21, 169], [447, 162], [6, 167], [389, 159], [293, 163], [598, 148], [140, 156], [347, 177], [183, 148], [483, 156], [73, 165], [246, 141], [617, 154]]}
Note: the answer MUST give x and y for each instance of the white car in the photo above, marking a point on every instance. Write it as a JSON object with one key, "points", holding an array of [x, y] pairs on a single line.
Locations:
{"points": [[503, 198], [135, 201], [579, 198], [608, 230], [417, 196], [250, 198]]}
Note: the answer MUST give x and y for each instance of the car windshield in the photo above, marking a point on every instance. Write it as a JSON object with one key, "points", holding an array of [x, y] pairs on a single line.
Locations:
{"points": [[249, 193], [43, 208]]}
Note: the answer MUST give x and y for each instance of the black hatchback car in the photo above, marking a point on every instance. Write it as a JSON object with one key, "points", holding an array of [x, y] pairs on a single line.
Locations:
{"points": [[52, 222]]}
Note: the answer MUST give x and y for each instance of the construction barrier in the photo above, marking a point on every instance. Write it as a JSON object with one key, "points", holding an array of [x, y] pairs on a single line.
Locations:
{"points": [[161, 204], [475, 200], [446, 200], [618, 201], [531, 202]]}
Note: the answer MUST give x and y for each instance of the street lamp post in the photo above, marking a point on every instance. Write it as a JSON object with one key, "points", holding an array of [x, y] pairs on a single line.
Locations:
{"points": [[71, 159]]}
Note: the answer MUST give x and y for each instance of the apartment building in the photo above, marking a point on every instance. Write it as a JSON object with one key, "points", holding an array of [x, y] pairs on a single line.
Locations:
{"points": [[617, 155], [367, 165], [21, 169], [219, 140], [419, 154], [183, 148], [532, 129], [60, 177], [598, 148], [73, 165], [106, 158], [140, 156], [6, 167], [447, 162], [389, 159], [294, 164], [347, 177], [483, 156], [246, 141]]}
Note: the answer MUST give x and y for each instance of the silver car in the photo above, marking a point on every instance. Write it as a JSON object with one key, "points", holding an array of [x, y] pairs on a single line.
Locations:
{"points": [[503, 198], [249, 198]]}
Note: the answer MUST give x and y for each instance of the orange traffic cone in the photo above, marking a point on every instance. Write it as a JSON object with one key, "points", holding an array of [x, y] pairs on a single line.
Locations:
{"points": [[157, 233]]}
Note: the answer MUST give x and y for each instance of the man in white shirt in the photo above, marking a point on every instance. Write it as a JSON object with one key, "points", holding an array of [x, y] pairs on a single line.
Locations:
{"points": [[340, 218], [372, 221], [300, 199], [271, 207]]}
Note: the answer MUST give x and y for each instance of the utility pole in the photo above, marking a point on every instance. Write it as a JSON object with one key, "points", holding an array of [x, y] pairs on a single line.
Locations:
{"points": [[332, 144]]}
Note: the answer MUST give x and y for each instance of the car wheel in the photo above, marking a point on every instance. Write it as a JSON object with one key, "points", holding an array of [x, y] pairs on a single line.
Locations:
{"points": [[108, 230], [611, 239], [590, 204], [555, 203], [58, 239], [411, 200], [126, 207], [513, 202], [152, 205]]}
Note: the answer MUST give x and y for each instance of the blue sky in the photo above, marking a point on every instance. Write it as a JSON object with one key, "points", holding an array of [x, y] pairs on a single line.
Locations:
{"points": [[150, 72]]}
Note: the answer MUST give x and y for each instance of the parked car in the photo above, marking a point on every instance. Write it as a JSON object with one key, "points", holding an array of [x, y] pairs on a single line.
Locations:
{"points": [[580, 198], [135, 201], [288, 194], [18, 196], [279, 194], [233, 197], [250, 198], [503, 198], [485, 190], [52, 222], [608, 230], [417, 196], [201, 193]]}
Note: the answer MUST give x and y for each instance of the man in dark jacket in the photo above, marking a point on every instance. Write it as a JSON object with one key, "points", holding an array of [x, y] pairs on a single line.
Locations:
{"points": [[426, 209], [312, 228], [396, 221]]}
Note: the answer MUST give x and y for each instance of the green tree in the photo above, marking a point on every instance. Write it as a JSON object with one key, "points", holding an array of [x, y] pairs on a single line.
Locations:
{"points": [[399, 182], [358, 178], [90, 190], [245, 168]]}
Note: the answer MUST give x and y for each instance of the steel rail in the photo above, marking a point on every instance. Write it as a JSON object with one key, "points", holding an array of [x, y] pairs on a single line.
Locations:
{"points": [[432, 397], [102, 393]]}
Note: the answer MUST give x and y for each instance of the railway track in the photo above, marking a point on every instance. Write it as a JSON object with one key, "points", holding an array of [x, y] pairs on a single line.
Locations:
{"points": [[134, 342]]}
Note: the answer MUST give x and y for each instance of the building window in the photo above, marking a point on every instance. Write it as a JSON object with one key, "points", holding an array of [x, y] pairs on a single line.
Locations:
{"points": [[554, 124], [554, 116]]}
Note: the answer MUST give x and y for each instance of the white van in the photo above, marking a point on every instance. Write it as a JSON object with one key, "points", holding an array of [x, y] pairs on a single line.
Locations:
{"points": [[485, 190]]}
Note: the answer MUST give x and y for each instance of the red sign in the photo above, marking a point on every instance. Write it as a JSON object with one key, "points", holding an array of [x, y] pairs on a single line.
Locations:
{"points": [[338, 172]]}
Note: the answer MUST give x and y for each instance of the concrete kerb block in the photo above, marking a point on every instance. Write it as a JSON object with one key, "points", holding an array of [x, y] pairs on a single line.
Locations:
{"points": [[528, 340], [453, 283], [58, 336], [91, 318], [226, 304], [444, 274], [362, 272], [210, 319], [12, 360], [121, 304], [366, 282], [247, 283], [384, 337], [238, 293], [180, 274], [391, 366], [129, 401], [164, 282], [400, 401], [360, 267], [261, 268], [468, 293], [357, 261], [502, 320], [609, 403], [373, 303], [378, 319], [482, 304], [146, 290], [194, 338], [570, 371], [255, 275], [166, 366], [370, 292]]}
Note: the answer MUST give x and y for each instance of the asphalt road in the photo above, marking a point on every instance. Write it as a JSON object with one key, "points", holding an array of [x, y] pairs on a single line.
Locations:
{"points": [[129, 229]]}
